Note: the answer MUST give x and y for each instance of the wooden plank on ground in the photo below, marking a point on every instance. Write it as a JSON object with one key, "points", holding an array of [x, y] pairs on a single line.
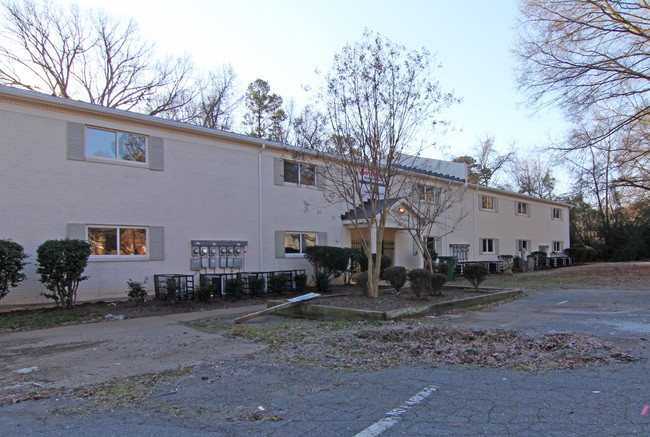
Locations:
{"points": [[291, 302]]}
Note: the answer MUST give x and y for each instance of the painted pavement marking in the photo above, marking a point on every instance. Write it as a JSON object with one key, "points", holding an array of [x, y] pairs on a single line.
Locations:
{"points": [[393, 416]]}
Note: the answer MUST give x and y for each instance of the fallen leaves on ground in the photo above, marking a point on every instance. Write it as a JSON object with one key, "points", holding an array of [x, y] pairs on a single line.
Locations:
{"points": [[363, 346]]}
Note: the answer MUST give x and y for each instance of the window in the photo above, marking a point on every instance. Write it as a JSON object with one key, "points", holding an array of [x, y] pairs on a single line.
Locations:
{"points": [[299, 173], [114, 242], [115, 145], [558, 246], [489, 203], [488, 245], [296, 243], [523, 246], [523, 208], [426, 193], [556, 214]]}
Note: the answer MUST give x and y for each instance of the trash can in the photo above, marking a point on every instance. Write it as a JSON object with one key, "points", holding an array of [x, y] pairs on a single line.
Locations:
{"points": [[452, 261]]}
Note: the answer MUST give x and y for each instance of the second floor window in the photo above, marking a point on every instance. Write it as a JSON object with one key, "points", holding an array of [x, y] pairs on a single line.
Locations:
{"points": [[523, 208], [488, 203], [299, 173], [557, 214], [120, 146]]}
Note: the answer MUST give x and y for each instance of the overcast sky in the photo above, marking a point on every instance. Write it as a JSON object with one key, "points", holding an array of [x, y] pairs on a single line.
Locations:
{"points": [[285, 41]]}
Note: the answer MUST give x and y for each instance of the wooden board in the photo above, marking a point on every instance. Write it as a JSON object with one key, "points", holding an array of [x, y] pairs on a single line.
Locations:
{"points": [[292, 302]]}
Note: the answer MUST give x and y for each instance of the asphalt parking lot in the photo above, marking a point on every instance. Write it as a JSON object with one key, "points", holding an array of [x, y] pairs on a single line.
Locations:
{"points": [[240, 397]]}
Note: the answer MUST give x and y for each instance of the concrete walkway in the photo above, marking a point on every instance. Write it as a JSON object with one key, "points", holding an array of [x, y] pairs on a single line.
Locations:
{"points": [[77, 355]]}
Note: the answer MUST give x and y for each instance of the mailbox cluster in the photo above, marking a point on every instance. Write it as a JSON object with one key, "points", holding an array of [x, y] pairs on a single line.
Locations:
{"points": [[214, 254]]}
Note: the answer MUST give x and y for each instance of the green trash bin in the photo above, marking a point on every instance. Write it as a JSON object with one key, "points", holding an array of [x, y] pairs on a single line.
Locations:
{"points": [[452, 261]]}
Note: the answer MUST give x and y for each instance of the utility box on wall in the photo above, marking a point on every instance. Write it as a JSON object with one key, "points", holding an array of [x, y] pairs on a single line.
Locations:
{"points": [[222, 254]]}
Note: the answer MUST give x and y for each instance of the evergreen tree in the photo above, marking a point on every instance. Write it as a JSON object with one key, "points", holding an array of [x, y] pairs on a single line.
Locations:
{"points": [[265, 114]]}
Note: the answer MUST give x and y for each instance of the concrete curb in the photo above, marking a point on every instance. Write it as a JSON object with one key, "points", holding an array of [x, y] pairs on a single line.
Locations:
{"points": [[331, 313]]}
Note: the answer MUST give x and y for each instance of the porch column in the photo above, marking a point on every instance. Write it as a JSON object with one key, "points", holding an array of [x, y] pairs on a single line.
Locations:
{"points": [[373, 239]]}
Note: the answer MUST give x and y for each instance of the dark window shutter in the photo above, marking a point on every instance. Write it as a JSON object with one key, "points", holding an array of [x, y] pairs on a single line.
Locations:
{"points": [[320, 178], [156, 243], [76, 144], [279, 244], [76, 231], [156, 155], [278, 173]]}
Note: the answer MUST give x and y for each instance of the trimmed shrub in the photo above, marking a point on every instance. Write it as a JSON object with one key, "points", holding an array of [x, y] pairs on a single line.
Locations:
{"points": [[322, 282], [475, 274], [438, 281], [332, 261], [171, 290], [233, 288], [580, 253], [396, 277], [11, 265], [300, 280], [362, 281], [61, 264], [136, 291], [420, 281], [278, 283], [443, 268], [256, 286], [329, 262], [205, 292], [540, 258], [357, 256], [506, 262]]}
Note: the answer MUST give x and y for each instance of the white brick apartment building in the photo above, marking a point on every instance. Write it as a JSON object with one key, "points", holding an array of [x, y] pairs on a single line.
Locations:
{"points": [[142, 189]]}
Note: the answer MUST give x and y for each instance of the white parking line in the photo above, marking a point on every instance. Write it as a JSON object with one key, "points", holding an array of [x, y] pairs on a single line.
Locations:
{"points": [[393, 416]]}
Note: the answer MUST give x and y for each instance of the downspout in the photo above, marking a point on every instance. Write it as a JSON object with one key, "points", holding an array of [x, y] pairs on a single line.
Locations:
{"points": [[259, 211], [475, 242]]}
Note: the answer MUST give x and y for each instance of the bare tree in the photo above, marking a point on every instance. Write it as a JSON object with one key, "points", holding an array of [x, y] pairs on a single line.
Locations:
{"points": [[486, 163], [217, 102], [88, 56], [310, 128], [533, 176], [41, 46], [591, 56], [430, 208], [380, 97]]}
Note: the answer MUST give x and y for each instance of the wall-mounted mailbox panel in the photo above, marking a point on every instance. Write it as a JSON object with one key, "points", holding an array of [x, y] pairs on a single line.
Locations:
{"points": [[213, 263], [223, 262], [195, 264]]}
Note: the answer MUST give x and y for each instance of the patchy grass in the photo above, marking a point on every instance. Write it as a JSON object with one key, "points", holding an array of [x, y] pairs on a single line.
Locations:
{"points": [[124, 392], [628, 275], [45, 319]]}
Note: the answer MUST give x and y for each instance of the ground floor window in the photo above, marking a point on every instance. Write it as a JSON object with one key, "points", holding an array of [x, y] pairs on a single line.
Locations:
{"points": [[558, 246], [523, 246], [114, 241], [488, 245], [295, 243]]}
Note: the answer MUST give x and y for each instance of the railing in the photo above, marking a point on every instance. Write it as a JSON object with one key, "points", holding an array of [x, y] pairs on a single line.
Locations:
{"points": [[249, 284], [174, 287], [495, 267]]}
